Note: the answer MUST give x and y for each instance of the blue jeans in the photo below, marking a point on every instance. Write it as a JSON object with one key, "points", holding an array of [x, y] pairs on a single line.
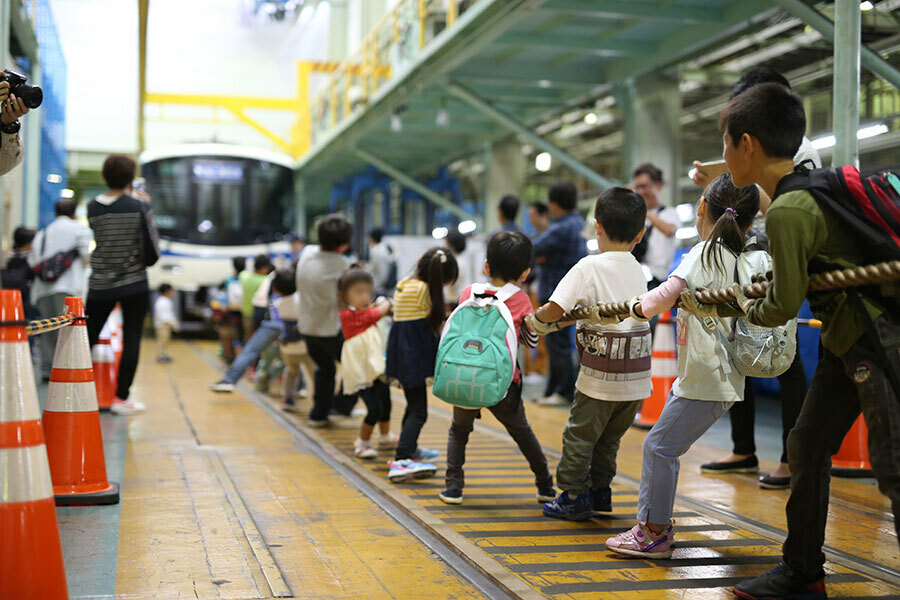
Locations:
{"points": [[681, 423], [562, 364], [268, 333]]}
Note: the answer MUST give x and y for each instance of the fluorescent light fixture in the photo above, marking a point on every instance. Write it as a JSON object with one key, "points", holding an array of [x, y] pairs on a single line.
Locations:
{"points": [[590, 118], [544, 83], [396, 123], [439, 233], [866, 5], [443, 118], [543, 162], [54, 178], [871, 131], [593, 245], [685, 212], [67, 193], [827, 141], [686, 233], [823, 142], [204, 226], [467, 227]]}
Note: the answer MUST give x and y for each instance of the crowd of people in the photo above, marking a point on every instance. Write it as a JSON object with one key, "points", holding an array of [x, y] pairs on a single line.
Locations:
{"points": [[355, 327]]}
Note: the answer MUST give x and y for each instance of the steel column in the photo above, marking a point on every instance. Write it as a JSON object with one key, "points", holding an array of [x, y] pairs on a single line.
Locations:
{"points": [[870, 60], [143, 10], [485, 107], [33, 171], [411, 183], [845, 97]]}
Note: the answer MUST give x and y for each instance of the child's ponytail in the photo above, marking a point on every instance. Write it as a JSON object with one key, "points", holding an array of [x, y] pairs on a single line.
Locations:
{"points": [[733, 210], [437, 268]]}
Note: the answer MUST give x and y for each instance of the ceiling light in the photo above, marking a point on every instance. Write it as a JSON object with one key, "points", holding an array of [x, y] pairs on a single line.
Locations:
{"points": [[826, 141], [439, 233], [871, 131], [67, 193], [544, 83], [467, 227], [590, 118], [593, 245], [54, 178], [443, 118], [866, 5], [396, 123], [543, 162], [685, 212]]}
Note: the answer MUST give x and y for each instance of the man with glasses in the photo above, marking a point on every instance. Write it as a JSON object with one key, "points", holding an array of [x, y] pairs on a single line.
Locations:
{"points": [[662, 222]]}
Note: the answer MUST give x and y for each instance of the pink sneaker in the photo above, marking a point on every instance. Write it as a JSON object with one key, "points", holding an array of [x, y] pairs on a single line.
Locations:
{"points": [[640, 541]]}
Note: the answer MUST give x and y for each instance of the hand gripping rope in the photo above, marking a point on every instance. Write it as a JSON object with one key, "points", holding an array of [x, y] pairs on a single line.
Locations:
{"points": [[885, 272], [44, 325]]}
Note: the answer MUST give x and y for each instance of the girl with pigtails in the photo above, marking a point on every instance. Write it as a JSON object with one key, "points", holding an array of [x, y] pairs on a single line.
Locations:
{"points": [[419, 312]]}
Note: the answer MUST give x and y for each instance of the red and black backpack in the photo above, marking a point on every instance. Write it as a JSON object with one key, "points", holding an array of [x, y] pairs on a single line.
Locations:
{"points": [[867, 204]]}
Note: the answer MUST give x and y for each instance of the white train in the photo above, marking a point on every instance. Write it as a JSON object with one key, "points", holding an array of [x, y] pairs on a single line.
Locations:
{"points": [[212, 202]]}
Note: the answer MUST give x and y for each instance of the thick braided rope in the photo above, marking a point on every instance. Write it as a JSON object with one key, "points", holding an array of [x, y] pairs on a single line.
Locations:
{"points": [[51, 324], [885, 272]]}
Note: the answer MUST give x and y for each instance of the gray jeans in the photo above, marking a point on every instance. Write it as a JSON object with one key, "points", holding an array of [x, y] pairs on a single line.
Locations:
{"points": [[841, 387], [49, 306], [681, 423], [591, 442], [511, 412]]}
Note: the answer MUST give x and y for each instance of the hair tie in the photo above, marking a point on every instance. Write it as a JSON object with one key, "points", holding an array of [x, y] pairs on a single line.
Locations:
{"points": [[442, 256], [731, 212]]}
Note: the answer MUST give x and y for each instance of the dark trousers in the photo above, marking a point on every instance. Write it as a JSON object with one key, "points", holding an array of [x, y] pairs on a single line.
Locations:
{"points": [[134, 310], [793, 391], [511, 412], [562, 364], [414, 418], [840, 388], [378, 403], [325, 352]]}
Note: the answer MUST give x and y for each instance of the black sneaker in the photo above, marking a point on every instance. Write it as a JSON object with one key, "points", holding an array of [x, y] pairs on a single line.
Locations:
{"points": [[546, 495], [767, 482], [451, 496], [601, 500], [746, 465], [781, 583], [570, 509]]}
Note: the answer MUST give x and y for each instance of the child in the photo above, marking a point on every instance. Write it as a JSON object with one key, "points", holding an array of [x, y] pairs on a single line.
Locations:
{"points": [[286, 310], [317, 274], [233, 325], [860, 357], [362, 357], [614, 376], [707, 383], [412, 347], [164, 321], [18, 274], [509, 258], [250, 283]]}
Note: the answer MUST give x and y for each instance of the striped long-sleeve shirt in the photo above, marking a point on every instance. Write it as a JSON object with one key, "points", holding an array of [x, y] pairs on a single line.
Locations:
{"points": [[127, 243]]}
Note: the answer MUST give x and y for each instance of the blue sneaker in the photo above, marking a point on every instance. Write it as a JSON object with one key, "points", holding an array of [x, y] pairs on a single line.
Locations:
{"points": [[601, 499], [451, 496], [564, 507], [406, 469], [424, 454]]}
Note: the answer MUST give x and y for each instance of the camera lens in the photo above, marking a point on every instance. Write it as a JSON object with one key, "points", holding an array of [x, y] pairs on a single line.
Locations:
{"points": [[31, 95]]}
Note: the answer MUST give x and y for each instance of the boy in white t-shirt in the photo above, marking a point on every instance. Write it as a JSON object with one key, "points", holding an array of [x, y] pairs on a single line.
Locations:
{"points": [[164, 321], [615, 357]]}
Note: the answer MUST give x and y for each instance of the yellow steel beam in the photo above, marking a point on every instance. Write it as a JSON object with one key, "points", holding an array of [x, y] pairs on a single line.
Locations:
{"points": [[451, 12], [228, 102], [303, 126], [240, 114]]}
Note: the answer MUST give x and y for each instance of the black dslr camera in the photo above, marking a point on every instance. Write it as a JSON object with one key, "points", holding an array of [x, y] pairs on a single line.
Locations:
{"points": [[31, 95]]}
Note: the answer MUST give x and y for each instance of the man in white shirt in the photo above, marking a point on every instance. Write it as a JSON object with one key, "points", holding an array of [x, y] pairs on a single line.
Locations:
{"points": [[662, 223], [63, 235]]}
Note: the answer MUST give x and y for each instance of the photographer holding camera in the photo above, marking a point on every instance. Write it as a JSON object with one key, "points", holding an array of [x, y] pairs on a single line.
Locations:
{"points": [[16, 97]]}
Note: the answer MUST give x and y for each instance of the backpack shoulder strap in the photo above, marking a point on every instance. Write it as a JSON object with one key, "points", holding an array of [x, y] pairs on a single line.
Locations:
{"points": [[506, 292]]}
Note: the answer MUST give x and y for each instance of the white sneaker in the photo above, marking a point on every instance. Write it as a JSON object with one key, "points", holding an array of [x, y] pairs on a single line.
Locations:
{"points": [[364, 449], [406, 469], [553, 400], [222, 387], [127, 407], [388, 441]]}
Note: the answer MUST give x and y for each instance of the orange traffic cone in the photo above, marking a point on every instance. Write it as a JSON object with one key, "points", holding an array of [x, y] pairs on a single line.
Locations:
{"points": [[852, 460], [72, 423], [31, 563], [664, 371], [105, 375]]}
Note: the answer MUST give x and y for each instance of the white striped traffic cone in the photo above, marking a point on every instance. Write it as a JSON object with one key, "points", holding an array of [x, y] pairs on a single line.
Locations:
{"points": [[72, 420], [663, 370], [31, 563]]}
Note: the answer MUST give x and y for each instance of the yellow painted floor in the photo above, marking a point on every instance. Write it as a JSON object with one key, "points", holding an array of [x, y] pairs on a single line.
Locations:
{"points": [[220, 500]]}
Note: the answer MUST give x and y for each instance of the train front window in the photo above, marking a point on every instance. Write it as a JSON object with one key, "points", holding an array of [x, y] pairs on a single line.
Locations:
{"points": [[219, 200]]}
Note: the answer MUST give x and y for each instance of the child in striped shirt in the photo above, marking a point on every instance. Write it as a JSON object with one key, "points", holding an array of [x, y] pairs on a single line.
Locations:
{"points": [[419, 311]]}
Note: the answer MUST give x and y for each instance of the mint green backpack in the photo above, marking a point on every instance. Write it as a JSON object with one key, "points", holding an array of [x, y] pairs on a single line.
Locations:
{"points": [[476, 359]]}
